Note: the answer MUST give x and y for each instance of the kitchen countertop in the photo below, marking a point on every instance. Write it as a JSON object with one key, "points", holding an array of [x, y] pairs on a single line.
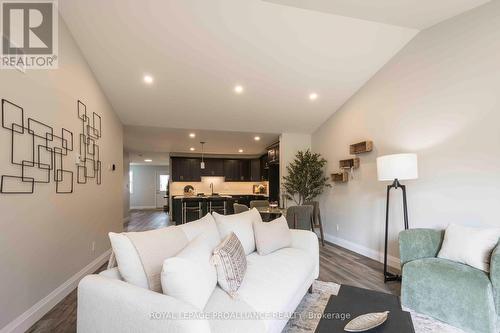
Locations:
{"points": [[222, 195]]}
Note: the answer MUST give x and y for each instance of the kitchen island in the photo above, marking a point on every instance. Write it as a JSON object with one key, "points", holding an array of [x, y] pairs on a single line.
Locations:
{"points": [[187, 208]]}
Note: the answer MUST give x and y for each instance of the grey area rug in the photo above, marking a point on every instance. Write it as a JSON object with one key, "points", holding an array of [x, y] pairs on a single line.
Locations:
{"points": [[312, 307]]}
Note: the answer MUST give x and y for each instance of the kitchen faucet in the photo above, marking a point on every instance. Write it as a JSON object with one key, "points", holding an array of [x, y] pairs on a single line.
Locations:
{"points": [[212, 188]]}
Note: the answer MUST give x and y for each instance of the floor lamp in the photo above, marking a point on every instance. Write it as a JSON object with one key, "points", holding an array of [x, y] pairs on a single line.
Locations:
{"points": [[395, 168]]}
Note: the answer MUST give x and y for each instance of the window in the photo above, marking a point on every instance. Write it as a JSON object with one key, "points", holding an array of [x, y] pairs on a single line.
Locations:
{"points": [[131, 181], [164, 182]]}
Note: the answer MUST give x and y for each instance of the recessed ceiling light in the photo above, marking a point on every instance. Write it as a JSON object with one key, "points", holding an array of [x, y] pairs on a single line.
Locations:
{"points": [[148, 160], [238, 89], [240, 150], [313, 96], [257, 138], [192, 148], [148, 79], [192, 135]]}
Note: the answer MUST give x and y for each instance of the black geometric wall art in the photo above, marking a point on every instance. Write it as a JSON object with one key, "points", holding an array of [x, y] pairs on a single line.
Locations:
{"points": [[90, 166], [37, 150]]}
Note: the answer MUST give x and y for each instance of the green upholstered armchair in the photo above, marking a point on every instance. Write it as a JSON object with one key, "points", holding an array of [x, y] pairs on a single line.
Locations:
{"points": [[455, 293]]}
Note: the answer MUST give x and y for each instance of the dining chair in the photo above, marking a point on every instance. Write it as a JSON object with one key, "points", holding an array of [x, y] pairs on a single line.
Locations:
{"points": [[259, 203], [239, 208], [317, 219], [300, 217]]}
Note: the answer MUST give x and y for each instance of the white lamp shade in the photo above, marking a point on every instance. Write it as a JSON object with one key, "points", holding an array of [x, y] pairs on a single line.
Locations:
{"points": [[397, 166]]}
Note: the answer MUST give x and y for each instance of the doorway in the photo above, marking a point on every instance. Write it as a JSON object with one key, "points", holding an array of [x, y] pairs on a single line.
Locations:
{"points": [[162, 180]]}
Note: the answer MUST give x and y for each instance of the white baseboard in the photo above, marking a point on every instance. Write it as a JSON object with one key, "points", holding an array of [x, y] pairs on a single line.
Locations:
{"points": [[363, 250], [36, 312], [143, 207]]}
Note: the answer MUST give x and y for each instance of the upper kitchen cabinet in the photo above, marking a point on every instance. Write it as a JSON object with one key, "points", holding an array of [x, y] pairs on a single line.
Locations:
{"points": [[264, 168], [214, 167], [273, 154], [186, 169], [236, 170], [255, 170]]}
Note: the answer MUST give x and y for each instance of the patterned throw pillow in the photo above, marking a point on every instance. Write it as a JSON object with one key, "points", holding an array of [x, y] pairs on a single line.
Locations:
{"points": [[231, 264]]}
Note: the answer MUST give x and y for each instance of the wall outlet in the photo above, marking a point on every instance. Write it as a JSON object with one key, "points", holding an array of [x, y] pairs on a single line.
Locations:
{"points": [[92, 247]]}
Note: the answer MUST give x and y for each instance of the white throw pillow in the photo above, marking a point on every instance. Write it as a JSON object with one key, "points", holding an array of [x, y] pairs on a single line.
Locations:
{"points": [[470, 246], [206, 226], [140, 255], [190, 276], [272, 236], [128, 261], [242, 225], [231, 264]]}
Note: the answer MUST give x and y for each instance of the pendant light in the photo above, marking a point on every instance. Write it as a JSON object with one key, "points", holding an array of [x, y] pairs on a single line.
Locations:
{"points": [[202, 164]]}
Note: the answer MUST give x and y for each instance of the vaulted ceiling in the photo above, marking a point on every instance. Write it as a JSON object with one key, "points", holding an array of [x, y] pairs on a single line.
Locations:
{"points": [[197, 51]]}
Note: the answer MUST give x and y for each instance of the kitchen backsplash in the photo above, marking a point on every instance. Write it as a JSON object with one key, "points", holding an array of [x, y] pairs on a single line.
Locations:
{"points": [[220, 186]]}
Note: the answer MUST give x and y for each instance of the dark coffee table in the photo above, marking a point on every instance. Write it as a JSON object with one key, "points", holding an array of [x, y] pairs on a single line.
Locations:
{"points": [[352, 302]]}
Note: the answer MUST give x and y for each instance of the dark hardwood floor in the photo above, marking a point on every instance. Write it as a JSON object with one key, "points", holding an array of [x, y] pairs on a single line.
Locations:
{"points": [[336, 265]]}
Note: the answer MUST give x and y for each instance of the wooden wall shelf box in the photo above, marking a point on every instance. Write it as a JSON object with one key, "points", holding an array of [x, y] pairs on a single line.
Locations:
{"points": [[361, 147], [349, 163], [341, 177]]}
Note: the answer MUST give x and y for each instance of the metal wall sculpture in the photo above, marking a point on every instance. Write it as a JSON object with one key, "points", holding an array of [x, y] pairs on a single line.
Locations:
{"points": [[37, 150], [40, 152], [90, 166]]}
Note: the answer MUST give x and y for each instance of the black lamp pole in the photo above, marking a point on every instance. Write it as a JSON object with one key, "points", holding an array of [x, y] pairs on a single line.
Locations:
{"points": [[396, 185]]}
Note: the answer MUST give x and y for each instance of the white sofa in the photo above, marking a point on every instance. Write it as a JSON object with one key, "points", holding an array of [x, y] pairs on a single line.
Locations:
{"points": [[273, 287]]}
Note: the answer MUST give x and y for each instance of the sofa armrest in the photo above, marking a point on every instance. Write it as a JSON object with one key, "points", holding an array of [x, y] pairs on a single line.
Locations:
{"points": [[419, 243], [111, 305], [307, 241], [495, 276]]}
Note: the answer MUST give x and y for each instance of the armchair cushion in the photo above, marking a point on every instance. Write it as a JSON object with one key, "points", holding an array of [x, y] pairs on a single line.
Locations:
{"points": [[419, 243], [495, 276], [450, 291]]}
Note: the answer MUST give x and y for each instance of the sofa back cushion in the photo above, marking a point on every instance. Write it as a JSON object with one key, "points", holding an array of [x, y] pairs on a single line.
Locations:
{"points": [[470, 246], [190, 276], [150, 249], [204, 226], [272, 236], [242, 226]]}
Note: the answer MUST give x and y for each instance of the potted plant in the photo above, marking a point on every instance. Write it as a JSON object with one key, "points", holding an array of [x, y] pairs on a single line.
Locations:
{"points": [[306, 179]]}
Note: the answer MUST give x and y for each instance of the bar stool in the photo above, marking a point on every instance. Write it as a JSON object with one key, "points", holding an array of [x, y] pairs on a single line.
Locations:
{"points": [[191, 205], [218, 205]]}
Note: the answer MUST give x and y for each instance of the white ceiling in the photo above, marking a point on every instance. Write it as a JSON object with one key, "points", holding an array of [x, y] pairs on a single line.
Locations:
{"points": [[418, 14], [198, 50], [149, 140]]}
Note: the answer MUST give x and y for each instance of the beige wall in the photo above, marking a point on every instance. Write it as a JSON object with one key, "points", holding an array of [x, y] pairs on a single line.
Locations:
{"points": [[439, 97], [126, 185], [46, 238], [290, 144]]}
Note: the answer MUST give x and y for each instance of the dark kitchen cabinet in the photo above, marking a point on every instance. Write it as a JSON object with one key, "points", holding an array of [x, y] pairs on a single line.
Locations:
{"points": [[264, 168], [186, 169], [273, 154], [237, 170], [255, 170], [214, 167]]}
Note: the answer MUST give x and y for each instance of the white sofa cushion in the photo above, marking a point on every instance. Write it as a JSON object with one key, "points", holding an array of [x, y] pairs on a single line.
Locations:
{"points": [[230, 263], [140, 255], [272, 236], [189, 276], [241, 225], [127, 258], [470, 246], [206, 226], [272, 282]]}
